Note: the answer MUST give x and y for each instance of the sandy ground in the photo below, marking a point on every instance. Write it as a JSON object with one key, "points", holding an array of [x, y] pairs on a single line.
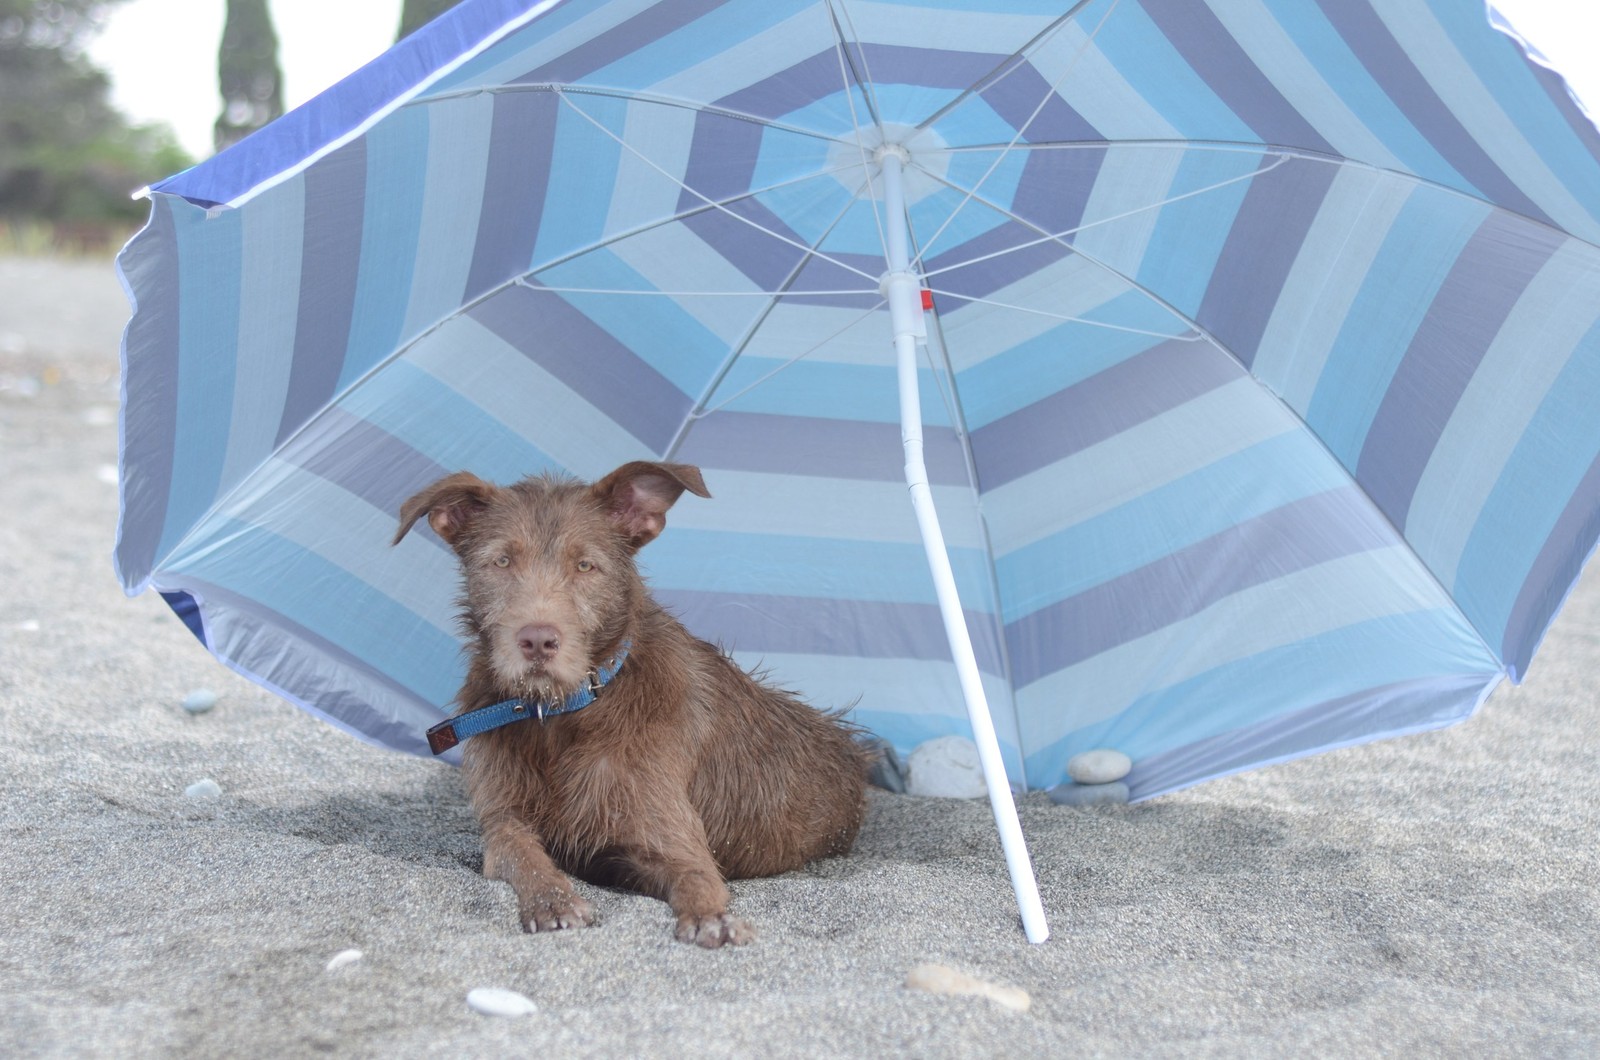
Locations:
{"points": [[1432, 896]]}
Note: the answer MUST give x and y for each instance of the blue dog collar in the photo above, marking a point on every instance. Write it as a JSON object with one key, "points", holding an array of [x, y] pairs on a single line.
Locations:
{"points": [[452, 731]]}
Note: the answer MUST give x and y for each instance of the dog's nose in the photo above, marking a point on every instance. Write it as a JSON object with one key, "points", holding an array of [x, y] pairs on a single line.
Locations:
{"points": [[539, 643]]}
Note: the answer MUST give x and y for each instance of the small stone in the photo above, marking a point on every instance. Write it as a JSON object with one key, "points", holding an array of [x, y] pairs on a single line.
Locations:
{"points": [[942, 979], [496, 1001], [106, 473], [1100, 766], [199, 701], [27, 625], [945, 768], [343, 958], [99, 416], [1112, 794], [203, 789]]}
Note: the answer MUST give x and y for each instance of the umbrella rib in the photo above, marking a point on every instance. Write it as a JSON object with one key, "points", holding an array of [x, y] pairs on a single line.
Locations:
{"points": [[855, 124], [630, 96], [700, 414], [749, 335], [1006, 66], [1279, 160], [1022, 129], [868, 94], [653, 293], [973, 299], [1222, 348], [1287, 152], [683, 216], [780, 237]]}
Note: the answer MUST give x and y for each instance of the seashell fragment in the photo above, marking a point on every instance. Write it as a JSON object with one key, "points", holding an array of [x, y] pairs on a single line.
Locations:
{"points": [[497, 1001], [343, 959], [942, 979]]}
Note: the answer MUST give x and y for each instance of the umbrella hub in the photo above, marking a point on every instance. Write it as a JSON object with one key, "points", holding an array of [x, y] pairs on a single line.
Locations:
{"points": [[857, 160], [898, 150]]}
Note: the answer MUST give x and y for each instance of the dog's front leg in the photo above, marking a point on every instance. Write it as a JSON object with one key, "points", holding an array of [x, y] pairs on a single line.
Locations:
{"points": [[545, 898], [676, 864]]}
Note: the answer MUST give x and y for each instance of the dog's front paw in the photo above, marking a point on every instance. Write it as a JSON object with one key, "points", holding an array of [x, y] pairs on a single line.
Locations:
{"points": [[715, 931], [555, 912]]}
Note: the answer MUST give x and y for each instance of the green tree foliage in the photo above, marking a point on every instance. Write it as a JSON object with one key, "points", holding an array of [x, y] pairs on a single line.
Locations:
{"points": [[417, 12], [66, 154], [247, 72]]}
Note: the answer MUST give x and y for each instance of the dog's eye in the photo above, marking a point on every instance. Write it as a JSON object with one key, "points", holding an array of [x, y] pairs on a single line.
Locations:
{"points": [[585, 566], [502, 561]]}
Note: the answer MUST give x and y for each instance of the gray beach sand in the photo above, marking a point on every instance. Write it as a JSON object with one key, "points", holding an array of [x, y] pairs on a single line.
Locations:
{"points": [[1431, 896]]}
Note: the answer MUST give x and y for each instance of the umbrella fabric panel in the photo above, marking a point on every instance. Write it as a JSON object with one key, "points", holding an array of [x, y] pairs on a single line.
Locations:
{"points": [[1420, 335], [1392, 710], [1198, 548]]}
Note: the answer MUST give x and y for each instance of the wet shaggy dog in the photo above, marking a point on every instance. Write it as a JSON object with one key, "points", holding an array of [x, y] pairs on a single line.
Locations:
{"points": [[684, 772]]}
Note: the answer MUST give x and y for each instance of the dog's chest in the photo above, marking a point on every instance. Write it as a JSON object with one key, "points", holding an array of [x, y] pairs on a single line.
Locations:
{"points": [[574, 790]]}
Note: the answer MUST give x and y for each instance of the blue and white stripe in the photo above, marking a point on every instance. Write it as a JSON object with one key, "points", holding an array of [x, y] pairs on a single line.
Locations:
{"points": [[1259, 392]]}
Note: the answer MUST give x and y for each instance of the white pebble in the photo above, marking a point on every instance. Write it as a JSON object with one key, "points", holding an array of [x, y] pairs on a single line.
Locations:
{"points": [[945, 768], [107, 473], [27, 625], [1100, 766], [496, 1001], [343, 958], [203, 789], [942, 979], [199, 701], [1112, 794]]}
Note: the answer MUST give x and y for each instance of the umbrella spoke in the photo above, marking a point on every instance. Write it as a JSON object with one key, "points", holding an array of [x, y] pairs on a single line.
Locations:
{"points": [[1059, 236], [1189, 336], [629, 96], [1021, 131], [702, 413], [653, 292], [855, 122], [1133, 284], [749, 335], [779, 236], [1006, 66], [862, 77]]}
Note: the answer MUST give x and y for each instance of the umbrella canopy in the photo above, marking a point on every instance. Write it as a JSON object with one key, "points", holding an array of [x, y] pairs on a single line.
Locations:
{"points": [[1259, 365]]}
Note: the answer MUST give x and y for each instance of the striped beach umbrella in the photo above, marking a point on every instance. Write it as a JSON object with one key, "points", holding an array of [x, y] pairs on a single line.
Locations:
{"points": [[1251, 346]]}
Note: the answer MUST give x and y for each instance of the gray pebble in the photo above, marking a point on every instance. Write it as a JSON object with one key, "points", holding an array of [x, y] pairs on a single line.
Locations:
{"points": [[203, 789], [1110, 794], [1100, 766], [199, 701]]}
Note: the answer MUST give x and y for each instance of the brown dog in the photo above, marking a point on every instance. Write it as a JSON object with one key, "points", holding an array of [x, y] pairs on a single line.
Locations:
{"points": [[685, 771]]}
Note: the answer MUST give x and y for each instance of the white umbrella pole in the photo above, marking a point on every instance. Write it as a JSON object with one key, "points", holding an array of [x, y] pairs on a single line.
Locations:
{"points": [[904, 293]]}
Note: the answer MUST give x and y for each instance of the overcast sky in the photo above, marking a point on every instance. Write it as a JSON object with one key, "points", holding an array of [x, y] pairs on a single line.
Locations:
{"points": [[162, 54]]}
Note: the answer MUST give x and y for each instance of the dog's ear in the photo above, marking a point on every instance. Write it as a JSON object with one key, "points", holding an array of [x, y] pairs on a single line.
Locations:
{"points": [[638, 495], [450, 505]]}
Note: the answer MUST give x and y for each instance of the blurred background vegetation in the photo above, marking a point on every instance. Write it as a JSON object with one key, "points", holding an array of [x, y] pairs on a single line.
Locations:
{"points": [[70, 161], [68, 158]]}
